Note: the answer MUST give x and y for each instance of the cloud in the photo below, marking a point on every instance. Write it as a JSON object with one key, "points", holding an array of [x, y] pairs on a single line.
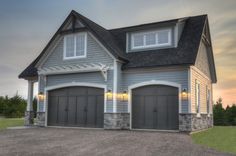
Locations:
{"points": [[228, 95], [27, 26]]}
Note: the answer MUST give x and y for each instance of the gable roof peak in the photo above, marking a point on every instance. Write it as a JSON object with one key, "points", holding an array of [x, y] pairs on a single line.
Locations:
{"points": [[115, 39], [104, 36]]}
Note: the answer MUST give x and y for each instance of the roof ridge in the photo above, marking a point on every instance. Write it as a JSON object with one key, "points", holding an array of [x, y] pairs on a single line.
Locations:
{"points": [[81, 15], [158, 22]]}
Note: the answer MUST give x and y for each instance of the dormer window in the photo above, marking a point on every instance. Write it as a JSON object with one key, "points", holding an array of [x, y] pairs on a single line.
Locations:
{"points": [[151, 39], [75, 46]]}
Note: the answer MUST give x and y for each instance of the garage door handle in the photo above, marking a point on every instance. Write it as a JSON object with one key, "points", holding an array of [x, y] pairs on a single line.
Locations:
{"points": [[155, 110], [85, 109], [66, 110]]}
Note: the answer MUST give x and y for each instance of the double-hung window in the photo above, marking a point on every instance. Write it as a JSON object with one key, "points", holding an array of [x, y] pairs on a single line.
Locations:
{"points": [[75, 46], [151, 39], [208, 99], [197, 97]]}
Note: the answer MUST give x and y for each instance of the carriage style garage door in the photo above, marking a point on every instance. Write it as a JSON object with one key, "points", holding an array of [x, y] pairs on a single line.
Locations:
{"points": [[155, 107], [76, 106]]}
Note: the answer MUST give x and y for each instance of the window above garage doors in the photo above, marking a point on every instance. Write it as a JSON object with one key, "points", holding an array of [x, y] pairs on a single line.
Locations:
{"points": [[75, 46]]}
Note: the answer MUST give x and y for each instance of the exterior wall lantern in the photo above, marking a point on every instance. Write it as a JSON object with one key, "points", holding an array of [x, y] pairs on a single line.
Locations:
{"points": [[40, 96], [124, 96], [184, 94], [109, 95]]}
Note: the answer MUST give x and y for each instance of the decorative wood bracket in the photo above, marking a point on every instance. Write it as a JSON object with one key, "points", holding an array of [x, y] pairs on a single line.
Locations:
{"points": [[104, 70]]}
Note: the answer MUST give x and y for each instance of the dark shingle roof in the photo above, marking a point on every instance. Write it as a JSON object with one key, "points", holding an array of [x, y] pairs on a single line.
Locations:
{"points": [[184, 53], [115, 41], [101, 33]]}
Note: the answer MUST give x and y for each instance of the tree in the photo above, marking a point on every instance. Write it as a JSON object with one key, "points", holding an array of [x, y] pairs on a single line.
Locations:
{"points": [[230, 114], [14, 107], [2, 105], [219, 114]]}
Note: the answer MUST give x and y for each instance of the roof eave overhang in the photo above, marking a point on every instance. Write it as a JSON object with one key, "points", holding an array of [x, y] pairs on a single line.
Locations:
{"points": [[158, 66]]}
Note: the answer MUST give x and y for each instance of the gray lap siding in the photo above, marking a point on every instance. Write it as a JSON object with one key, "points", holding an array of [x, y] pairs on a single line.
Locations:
{"points": [[125, 79], [179, 76], [95, 77], [95, 54]]}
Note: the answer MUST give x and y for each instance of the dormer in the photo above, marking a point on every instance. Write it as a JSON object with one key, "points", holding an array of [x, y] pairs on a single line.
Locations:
{"points": [[159, 37]]}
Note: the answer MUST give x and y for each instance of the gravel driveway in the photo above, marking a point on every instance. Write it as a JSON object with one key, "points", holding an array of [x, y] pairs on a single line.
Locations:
{"points": [[68, 141]]}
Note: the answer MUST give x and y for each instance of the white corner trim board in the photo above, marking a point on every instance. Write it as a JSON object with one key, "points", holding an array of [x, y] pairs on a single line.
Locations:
{"points": [[115, 88], [82, 84], [152, 82], [190, 90]]}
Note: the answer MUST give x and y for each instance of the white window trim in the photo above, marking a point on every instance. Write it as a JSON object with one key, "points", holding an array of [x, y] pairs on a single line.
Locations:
{"points": [[197, 97], [154, 45], [75, 57]]}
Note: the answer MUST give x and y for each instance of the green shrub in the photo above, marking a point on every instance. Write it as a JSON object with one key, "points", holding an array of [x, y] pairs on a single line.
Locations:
{"points": [[12, 107], [224, 117]]}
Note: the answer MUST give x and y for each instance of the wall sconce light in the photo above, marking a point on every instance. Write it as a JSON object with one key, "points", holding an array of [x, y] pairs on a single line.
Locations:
{"points": [[184, 94], [124, 96], [109, 95], [40, 96]]}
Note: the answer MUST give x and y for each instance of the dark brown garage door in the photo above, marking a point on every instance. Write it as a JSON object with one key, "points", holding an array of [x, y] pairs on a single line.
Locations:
{"points": [[76, 106], [155, 107]]}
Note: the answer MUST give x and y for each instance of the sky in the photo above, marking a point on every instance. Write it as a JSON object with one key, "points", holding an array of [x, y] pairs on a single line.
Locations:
{"points": [[27, 25]]}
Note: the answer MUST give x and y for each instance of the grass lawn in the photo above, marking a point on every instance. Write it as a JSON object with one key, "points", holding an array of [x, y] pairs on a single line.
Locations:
{"points": [[11, 122], [220, 138]]}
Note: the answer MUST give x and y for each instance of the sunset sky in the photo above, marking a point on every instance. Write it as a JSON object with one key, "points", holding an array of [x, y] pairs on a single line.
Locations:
{"points": [[26, 26]]}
